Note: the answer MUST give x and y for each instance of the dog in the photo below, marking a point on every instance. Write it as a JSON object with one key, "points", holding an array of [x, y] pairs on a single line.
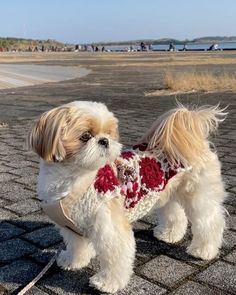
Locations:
{"points": [[93, 191]]}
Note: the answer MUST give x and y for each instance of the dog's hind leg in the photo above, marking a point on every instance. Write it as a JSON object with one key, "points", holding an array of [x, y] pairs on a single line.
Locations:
{"points": [[172, 223], [206, 214], [78, 253]]}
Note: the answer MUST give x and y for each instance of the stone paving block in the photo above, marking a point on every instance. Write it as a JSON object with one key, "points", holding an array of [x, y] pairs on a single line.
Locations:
{"points": [[229, 239], [193, 288], [4, 202], [18, 274], [233, 189], [227, 166], [231, 210], [25, 171], [35, 164], [43, 256], [4, 168], [18, 194], [229, 181], [139, 225], [28, 182], [147, 249], [36, 291], [221, 275], [14, 249], [231, 198], [8, 151], [4, 177], [22, 164], [11, 186], [231, 257], [13, 158], [139, 286], [179, 252], [8, 231], [6, 215], [44, 237], [165, 270], [231, 171], [68, 282], [32, 221], [25, 207], [231, 222], [229, 159]]}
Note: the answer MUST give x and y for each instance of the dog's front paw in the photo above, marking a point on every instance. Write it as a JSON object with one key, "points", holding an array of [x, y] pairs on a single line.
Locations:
{"points": [[169, 235], [67, 261], [106, 283], [206, 252]]}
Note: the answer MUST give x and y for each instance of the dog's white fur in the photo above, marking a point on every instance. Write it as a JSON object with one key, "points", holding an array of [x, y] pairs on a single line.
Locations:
{"points": [[68, 167]]}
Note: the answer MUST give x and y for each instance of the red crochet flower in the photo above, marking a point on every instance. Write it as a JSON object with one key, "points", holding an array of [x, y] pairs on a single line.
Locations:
{"points": [[127, 155], [133, 203], [106, 180], [152, 175]]}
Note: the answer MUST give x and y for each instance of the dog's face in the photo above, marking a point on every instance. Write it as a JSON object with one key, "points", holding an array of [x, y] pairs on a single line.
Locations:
{"points": [[84, 132]]}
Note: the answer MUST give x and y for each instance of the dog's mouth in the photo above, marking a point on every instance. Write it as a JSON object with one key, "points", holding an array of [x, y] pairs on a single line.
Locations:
{"points": [[104, 152]]}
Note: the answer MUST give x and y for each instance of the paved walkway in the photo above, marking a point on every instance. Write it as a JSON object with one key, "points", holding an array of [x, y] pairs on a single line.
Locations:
{"points": [[28, 239], [18, 75]]}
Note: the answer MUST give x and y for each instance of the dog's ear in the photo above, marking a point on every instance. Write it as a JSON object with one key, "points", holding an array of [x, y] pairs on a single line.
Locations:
{"points": [[46, 136]]}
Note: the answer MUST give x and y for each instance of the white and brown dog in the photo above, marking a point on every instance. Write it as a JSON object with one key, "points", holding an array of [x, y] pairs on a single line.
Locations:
{"points": [[93, 191]]}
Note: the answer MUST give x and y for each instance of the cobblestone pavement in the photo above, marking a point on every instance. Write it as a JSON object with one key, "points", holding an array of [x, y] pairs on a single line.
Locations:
{"points": [[28, 239]]}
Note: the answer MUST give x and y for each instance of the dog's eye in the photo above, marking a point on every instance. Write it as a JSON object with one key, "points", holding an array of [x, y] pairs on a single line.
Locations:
{"points": [[86, 136]]}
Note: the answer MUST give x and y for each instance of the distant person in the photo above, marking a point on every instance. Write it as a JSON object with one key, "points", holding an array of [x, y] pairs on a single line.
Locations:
{"points": [[143, 46], [92, 46], [96, 49], [185, 48], [43, 48], [213, 47], [171, 47], [103, 48]]}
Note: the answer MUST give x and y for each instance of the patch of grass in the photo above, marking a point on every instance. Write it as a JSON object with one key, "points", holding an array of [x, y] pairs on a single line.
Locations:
{"points": [[191, 82]]}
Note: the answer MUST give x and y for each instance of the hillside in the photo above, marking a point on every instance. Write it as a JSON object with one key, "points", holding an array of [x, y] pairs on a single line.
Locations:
{"points": [[210, 39], [23, 44]]}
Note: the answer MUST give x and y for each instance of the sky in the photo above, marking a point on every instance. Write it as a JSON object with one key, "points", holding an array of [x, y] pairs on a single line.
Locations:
{"points": [[86, 21]]}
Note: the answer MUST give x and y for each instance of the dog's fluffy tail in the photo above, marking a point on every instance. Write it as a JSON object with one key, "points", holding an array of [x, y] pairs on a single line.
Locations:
{"points": [[182, 133]]}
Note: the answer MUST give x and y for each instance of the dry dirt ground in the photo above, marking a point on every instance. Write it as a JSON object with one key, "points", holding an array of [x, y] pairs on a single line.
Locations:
{"points": [[28, 239]]}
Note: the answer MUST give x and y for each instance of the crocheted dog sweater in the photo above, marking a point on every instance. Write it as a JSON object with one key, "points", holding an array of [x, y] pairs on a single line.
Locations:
{"points": [[139, 180]]}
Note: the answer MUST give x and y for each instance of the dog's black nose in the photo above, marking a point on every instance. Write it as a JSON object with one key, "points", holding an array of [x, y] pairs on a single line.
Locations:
{"points": [[104, 141]]}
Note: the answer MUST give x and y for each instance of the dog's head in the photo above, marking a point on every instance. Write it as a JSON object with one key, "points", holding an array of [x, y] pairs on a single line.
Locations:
{"points": [[84, 132]]}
